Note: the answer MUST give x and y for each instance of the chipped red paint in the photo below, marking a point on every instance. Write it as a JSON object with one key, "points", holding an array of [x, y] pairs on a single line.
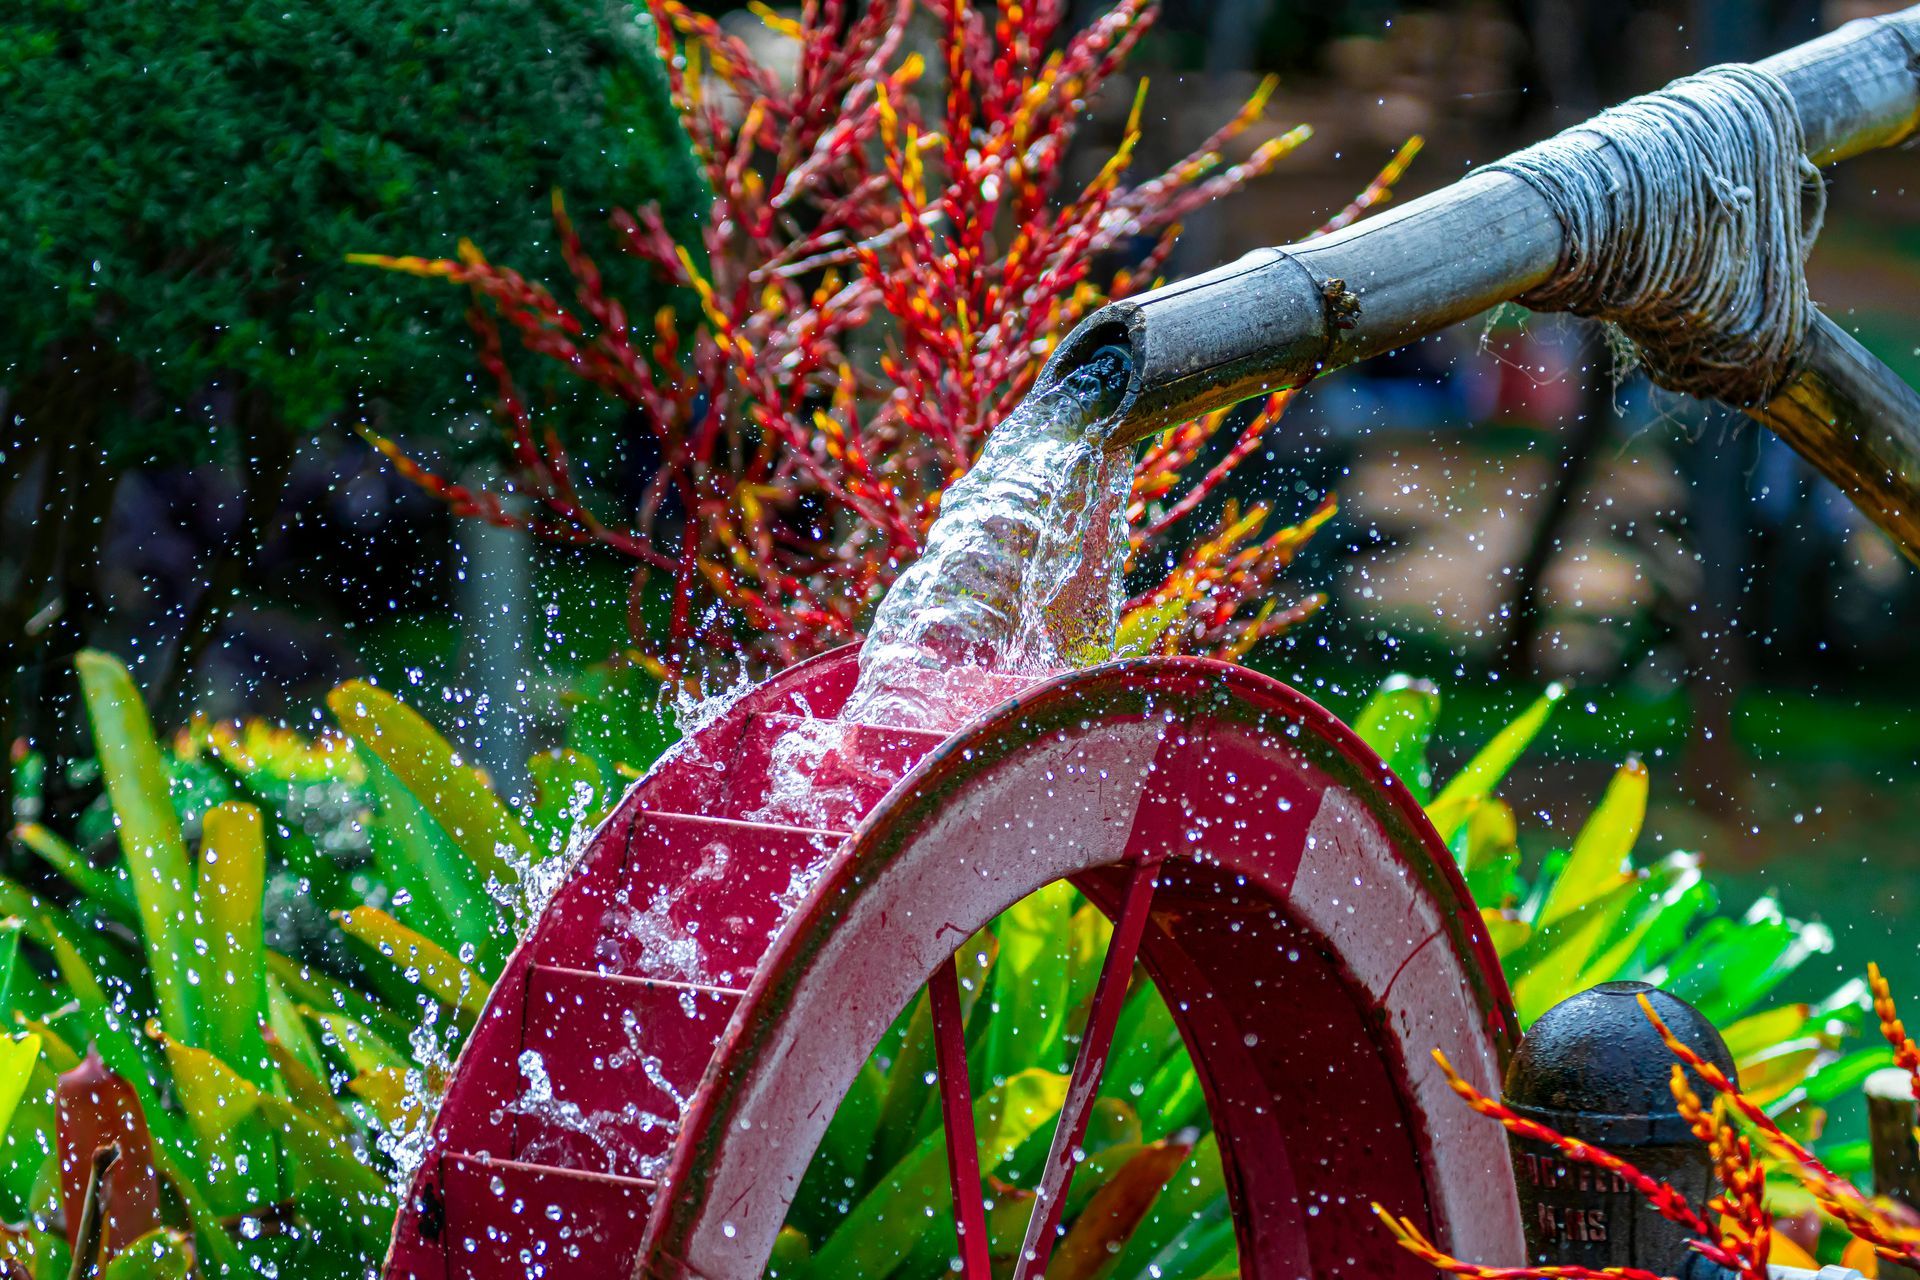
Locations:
{"points": [[1308, 929]]}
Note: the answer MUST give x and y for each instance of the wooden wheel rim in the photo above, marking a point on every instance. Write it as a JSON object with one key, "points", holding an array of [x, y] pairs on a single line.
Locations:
{"points": [[1309, 933], [947, 852]]}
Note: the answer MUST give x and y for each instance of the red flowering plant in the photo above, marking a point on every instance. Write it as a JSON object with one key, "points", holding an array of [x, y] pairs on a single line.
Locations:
{"points": [[890, 256], [1734, 1228]]}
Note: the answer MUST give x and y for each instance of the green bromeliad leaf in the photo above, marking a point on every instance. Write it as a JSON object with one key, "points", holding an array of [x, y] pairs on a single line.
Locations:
{"points": [[156, 855], [1489, 766], [478, 821], [1398, 723], [1597, 865], [229, 891], [885, 1225]]}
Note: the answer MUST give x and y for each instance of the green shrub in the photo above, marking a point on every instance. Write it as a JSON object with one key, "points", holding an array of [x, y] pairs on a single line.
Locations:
{"points": [[186, 180]]}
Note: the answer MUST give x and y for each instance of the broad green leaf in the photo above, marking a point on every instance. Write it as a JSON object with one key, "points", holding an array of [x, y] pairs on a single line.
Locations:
{"points": [[1597, 863], [215, 1095], [424, 962], [10, 929], [116, 1038], [1770, 1074], [1757, 1031], [1483, 773], [363, 1050], [42, 1255], [17, 1056], [884, 1227], [334, 1187], [391, 1095], [1842, 1078], [1031, 985], [156, 855], [288, 1040], [426, 763], [231, 883], [1669, 886], [790, 1253], [446, 892], [161, 1254], [305, 985], [216, 1246], [242, 1158], [1736, 963], [1142, 1039], [1546, 970], [907, 1096], [1506, 933], [1488, 850], [43, 922], [1397, 723], [569, 793]]}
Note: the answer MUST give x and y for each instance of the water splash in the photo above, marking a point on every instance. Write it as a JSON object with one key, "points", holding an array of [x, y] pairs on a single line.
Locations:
{"points": [[1021, 575], [607, 1132]]}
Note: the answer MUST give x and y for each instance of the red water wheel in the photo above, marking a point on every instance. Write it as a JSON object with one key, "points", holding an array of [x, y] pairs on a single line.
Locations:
{"points": [[1288, 898]]}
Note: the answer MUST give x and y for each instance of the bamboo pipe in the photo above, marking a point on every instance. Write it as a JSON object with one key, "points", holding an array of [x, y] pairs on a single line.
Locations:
{"points": [[1277, 318]]}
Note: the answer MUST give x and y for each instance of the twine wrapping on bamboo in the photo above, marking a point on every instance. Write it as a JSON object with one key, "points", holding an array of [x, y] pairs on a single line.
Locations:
{"points": [[1688, 230]]}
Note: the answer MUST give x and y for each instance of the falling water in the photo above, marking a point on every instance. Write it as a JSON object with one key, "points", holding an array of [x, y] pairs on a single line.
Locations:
{"points": [[1020, 578], [1021, 572]]}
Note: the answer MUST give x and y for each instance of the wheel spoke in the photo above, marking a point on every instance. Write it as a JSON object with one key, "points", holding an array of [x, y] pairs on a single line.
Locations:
{"points": [[956, 1108], [1088, 1066]]}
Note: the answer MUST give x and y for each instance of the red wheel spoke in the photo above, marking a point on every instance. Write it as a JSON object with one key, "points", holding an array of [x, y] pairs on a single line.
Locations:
{"points": [[1108, 996], [956, 1108]]}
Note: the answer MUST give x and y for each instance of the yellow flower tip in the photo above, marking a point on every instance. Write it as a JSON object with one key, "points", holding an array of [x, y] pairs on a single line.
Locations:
{"points": [[1258, 103]]}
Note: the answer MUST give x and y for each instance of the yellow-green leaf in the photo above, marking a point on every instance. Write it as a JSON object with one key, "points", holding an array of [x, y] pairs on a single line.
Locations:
{"points": [[423, 961], [149, 830], [363, 1050], [1549, 965], [428, 766], [1507, 933], [1397, 723], [161, 1254], [17, 1057], [1600, 851], [216, 1096], [1450, 809], [232, 880], [387, 1091], [96, 884], [1760, 1031]]}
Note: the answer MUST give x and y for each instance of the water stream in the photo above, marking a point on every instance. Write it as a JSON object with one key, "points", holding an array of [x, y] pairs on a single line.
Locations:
{"points": [[1021, 575]]}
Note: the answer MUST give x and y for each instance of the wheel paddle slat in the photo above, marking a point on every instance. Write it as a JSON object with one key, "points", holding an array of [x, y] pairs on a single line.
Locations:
{"points": [[508, 1221], [956, 1113]]}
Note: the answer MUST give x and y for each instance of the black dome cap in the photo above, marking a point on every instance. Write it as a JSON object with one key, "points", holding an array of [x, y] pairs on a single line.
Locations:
{"points": [[1594, 1068]]}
